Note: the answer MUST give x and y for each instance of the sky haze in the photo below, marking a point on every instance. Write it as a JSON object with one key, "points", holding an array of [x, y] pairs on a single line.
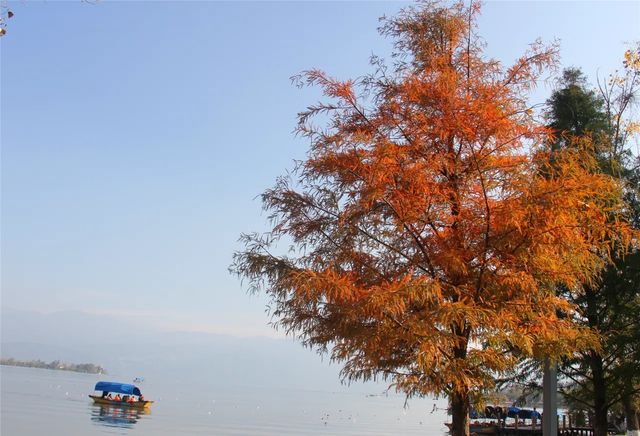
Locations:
{"points": [[137, 135]]}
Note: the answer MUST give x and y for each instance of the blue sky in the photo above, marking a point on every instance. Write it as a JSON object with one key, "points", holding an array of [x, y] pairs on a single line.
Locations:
{"points": [[136, 136]]}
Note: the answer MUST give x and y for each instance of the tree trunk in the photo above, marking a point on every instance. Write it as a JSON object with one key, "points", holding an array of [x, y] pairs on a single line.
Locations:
{"points": [[600, 409], [460, 414], [460, 404], [631, 414]]}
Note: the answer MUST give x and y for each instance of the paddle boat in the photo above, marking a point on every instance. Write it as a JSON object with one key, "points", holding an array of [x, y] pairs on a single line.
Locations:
{"points": [[130, 395], [498, 416]]}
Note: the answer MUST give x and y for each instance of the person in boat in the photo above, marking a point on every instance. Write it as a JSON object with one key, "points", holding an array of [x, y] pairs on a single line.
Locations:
{"points": [[117, 398], [104, 394], [141, 398], [130, 399]]}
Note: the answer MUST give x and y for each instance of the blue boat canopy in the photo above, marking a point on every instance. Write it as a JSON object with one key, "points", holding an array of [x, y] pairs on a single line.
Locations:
{"points": [[513, 411], [120, 388], [529, 414]]}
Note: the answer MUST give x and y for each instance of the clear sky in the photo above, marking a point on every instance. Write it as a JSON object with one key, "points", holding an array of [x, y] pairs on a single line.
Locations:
{"points": [[136, 136]]}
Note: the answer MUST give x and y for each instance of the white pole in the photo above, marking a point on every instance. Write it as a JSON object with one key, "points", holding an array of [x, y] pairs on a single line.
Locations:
{"points": [[550, 400]]}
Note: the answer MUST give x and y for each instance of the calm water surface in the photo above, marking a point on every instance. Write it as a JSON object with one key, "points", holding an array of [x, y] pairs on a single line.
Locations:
{"points": [[39, 402]]}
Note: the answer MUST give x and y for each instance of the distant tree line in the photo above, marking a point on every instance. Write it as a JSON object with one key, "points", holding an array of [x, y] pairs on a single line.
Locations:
{"points": [[88, 368]]}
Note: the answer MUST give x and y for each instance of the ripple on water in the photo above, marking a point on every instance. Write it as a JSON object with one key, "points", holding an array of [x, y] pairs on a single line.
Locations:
{"points": [[36, 402]]}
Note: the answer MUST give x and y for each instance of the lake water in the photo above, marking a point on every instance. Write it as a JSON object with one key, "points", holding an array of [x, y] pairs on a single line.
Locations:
{"points": [[44, 402]]}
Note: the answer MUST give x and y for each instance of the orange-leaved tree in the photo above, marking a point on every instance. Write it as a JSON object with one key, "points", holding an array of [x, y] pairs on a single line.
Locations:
{"points": [[428, 225]]}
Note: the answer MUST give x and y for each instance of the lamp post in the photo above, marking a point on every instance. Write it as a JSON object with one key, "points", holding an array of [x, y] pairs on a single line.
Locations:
{"points": [[550, 399]]}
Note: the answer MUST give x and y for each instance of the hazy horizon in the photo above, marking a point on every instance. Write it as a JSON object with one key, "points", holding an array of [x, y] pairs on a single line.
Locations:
{"points": [[126, 350]]}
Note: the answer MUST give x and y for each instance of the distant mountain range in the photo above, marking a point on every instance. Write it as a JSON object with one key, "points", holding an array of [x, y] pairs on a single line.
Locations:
{"points": [[130, 350]]}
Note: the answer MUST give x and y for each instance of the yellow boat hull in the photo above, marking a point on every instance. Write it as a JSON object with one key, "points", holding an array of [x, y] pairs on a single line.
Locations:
{"points": [[136, 404]]}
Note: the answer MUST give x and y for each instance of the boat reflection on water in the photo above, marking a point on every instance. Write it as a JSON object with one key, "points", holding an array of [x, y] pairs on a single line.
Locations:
{"points": [[115, 416]]}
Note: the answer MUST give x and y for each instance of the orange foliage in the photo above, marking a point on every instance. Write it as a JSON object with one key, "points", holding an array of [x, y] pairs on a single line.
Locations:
{"points": [[429, 224]]}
